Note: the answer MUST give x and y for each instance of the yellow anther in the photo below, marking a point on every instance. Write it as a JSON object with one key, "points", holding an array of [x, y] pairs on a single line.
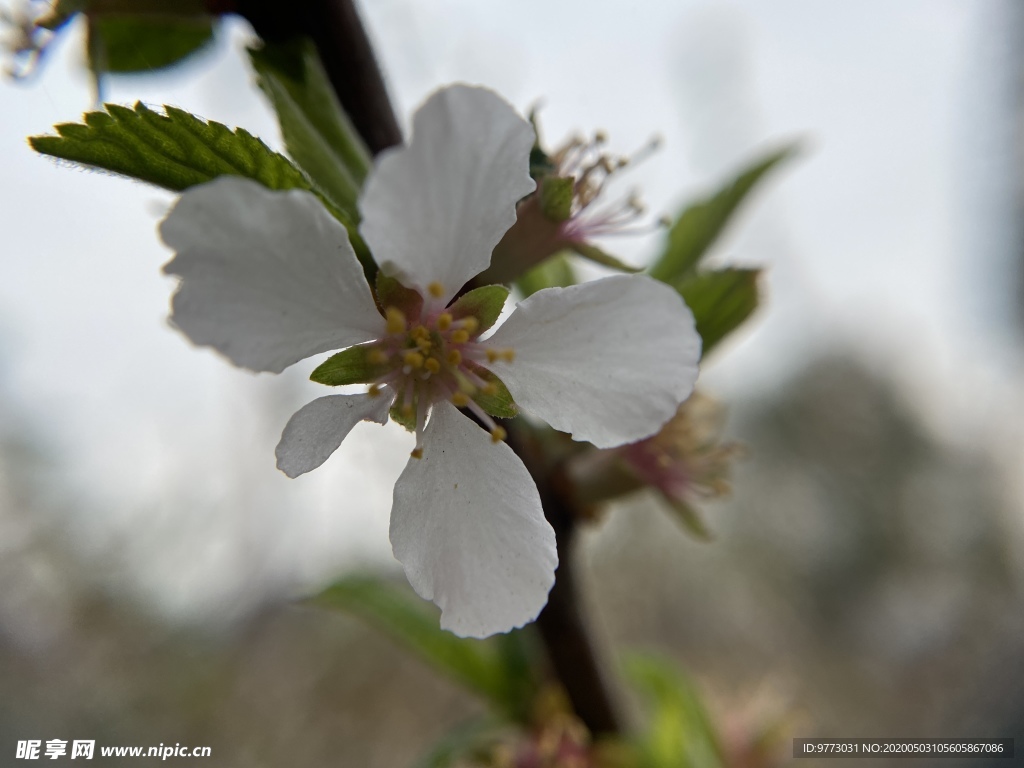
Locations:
{"points": [[600, 136], [417, 453], [454, 357], [444, 321], [492, 355], [460, 336], [424, 345], [374, 390], [433, 365], [395, 320], [498, 434], [413, 358], [508, 355], [460, 399], [470, 323], [377, 357], [490, 388], [435, 289], [420, 332]]}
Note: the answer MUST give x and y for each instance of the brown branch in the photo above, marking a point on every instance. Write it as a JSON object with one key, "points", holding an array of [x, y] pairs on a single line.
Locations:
{"points": [[348, 58]]}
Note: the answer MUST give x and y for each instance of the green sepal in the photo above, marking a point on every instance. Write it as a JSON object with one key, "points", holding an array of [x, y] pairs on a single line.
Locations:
{"points": [[350, 366], [317, 133], [555, 272], [500, 405], [391, 293], [540, 162], [720, 301], [700, 225], [555, 196], [596, 255], [484, 303], [120, 44], [409, 422], [689, 518]]}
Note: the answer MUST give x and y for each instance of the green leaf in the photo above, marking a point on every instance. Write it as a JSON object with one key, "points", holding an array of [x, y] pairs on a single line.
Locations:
{"points": [[556, 197], [596, 255], [555, 272], [463, 741], [700, 225], [135, 43], [500, 404], [680, 733], [175, 150], [484, 303], [483, 666], [317, 133], [350, 366], [720, 301]]}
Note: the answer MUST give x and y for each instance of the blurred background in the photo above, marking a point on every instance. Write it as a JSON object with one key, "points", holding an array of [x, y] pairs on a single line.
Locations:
{"points": [[866, 575]]}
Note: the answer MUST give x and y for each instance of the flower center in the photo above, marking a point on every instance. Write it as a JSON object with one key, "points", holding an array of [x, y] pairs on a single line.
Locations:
{"points": [[433, 359]]}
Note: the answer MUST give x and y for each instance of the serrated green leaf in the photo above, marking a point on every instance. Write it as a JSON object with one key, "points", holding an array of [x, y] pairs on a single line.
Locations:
{"points": [[484, 303], [317, 133], [498, 404], [596, 255], [175, 150], [679, 733], [483, 666], [699, 225], [135, 43], [555, 272], [720, 301], [556, 197], [350, 366]]}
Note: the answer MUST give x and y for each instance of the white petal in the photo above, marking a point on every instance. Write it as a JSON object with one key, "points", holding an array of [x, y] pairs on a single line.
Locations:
{"points": [[267, 278], [467, 524], [607, 361], [316, 430], [434, 210]]}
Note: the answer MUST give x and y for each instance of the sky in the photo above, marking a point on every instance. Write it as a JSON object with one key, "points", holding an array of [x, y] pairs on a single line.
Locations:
{"points": [[875, 239]]}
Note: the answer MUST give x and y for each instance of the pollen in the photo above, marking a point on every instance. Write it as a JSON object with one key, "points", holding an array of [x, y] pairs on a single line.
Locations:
{"points": [[444, 321], [377, 357], [435, 289], [460, 336], [413, 359], [395, 320], [498, 434], [460, 399], [433, 365]]}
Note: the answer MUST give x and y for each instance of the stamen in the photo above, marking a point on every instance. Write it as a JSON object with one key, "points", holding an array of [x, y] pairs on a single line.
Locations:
{"points": [[498, 434], [416, 453], [469, 324], [460, 336], [374, 390], [460, 399], [444, 321], [435, 289], [433, 365], [492, 355], [454, 357], [395, 320], [413, 359], [490, 388]]}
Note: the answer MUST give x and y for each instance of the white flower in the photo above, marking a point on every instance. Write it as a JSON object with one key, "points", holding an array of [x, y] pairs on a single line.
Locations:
{"points": [[269, 278]]}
